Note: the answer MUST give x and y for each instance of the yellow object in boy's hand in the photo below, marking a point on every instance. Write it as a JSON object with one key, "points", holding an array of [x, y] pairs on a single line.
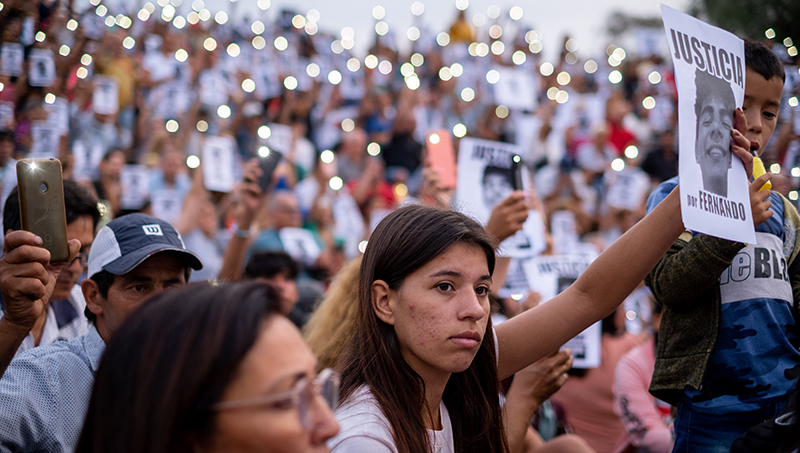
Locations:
{"points": [[758, 170]]}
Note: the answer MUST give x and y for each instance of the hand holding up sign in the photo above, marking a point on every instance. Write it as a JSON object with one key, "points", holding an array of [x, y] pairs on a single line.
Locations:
{"points": [[508, 216]]}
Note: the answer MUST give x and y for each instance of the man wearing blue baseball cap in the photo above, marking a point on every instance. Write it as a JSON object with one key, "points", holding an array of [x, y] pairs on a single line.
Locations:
{"points": [[45, 392]]}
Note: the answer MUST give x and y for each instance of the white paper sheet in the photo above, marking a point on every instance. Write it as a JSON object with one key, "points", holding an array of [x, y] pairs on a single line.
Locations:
{"points": [[709, 73]]}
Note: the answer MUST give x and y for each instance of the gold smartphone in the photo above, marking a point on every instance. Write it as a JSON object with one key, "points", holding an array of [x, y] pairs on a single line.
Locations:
{"points": [[41, 204]]}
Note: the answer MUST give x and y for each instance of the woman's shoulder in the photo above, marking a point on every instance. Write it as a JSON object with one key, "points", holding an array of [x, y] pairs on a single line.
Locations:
{"points": [[362, 424]]}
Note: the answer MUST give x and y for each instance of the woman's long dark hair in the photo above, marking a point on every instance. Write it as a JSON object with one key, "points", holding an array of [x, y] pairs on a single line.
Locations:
{"points": [[402, 243], [169, 363]]}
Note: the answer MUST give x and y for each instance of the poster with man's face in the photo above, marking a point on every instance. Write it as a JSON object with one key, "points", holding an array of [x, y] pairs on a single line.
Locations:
{"points": [[105, 98], [134, 181], [218, 171], [11, 58], [485, 177], [709, 72], [45, 141], [42, 69], [550, 275]]}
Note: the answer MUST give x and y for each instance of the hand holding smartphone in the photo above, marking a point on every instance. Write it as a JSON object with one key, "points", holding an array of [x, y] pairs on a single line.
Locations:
{"points": [[41, 204], [268, 164], [441, 156]]}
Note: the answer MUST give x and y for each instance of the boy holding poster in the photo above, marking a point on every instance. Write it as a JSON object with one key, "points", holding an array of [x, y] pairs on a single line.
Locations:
{"points": [[727, 350]]}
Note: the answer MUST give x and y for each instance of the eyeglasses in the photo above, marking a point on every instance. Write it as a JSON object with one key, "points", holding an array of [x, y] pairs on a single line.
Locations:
{"points": [[302, 395], [82, 258]]}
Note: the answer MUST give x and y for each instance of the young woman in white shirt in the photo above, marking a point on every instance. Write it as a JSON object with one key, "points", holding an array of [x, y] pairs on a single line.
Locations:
{"points": [[421, 372]]}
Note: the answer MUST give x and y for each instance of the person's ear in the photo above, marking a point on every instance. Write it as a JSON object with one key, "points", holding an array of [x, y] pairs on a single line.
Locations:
{"points": [[91, 294], [382, 301]]}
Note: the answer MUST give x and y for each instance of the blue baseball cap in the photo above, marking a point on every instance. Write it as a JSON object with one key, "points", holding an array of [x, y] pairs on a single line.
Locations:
{"points": [[127, 241]]}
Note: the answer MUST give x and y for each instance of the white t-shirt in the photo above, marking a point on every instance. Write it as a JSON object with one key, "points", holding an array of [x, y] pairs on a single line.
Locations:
{"points": [[364, 428]]}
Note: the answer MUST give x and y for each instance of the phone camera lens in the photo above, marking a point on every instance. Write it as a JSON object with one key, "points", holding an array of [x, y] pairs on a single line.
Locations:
{"points": [[43, 187]]}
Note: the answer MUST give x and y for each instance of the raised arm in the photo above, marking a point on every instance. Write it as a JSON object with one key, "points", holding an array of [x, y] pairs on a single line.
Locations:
{"points": [[600, 289], [611, 278]]}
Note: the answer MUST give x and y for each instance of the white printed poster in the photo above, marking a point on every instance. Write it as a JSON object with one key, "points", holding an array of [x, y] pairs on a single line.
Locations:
{"points": [[300, 244], [134, 182], [45, 141], [11, 58], [709, 73], [627, 189], [175, 100], [487, 174], [58, 115], [218, 171], [549, 275], [42, 70], [516, 88], [105, 99], [166, 204], [87, 157], [564, 230]]}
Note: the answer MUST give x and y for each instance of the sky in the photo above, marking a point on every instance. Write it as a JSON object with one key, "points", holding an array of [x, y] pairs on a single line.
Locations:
{"points": [[583, 20]]}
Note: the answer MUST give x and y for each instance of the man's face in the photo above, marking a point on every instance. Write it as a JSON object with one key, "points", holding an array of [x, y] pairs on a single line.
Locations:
{"points": [[495, 189], [287, 289], [714, 124], [156, 274], [82, 230], [287, 213], [762, 100]]}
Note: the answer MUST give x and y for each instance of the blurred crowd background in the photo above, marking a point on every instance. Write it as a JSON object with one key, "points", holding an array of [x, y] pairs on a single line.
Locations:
{"points": [[351, 128], [131, 101]]}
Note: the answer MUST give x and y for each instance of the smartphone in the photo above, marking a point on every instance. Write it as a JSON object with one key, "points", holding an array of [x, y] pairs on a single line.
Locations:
{"points": [[268, 164], [441, 156], [516, 168], [41, 204]]}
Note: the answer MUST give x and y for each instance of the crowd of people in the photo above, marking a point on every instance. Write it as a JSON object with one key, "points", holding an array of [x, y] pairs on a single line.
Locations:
{"points": [[265, 257]]}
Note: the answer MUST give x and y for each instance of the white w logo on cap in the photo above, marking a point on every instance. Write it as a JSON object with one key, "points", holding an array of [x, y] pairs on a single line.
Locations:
{"points": [[152, 230]]}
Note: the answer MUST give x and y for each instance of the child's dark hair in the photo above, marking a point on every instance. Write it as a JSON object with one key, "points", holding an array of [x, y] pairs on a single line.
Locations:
{"points": [[760, 59]]}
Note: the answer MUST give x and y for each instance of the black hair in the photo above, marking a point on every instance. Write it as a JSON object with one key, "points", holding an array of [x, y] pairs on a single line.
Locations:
{"points": [[506, 173], [707, 87], [762, 60], [270, 264], [78, 202]]}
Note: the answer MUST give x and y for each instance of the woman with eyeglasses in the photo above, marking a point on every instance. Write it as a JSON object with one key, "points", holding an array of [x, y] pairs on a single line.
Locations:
{"points": [[421, 371], [210, 369]]}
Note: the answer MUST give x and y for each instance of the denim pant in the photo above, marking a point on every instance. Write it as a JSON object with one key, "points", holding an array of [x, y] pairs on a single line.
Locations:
{"points": [[697, 432]]}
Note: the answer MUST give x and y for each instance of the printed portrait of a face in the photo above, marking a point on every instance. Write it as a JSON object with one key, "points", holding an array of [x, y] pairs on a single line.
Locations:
{"points": [[714, 106], [496, 185]]}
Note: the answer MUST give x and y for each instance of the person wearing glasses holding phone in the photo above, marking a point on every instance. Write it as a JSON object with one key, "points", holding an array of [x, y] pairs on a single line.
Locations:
{"points": [[212, 369], [63, 319]]}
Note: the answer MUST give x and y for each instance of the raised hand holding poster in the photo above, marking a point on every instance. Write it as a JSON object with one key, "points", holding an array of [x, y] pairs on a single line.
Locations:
{"points": [[487, 174], [709, 73]]}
